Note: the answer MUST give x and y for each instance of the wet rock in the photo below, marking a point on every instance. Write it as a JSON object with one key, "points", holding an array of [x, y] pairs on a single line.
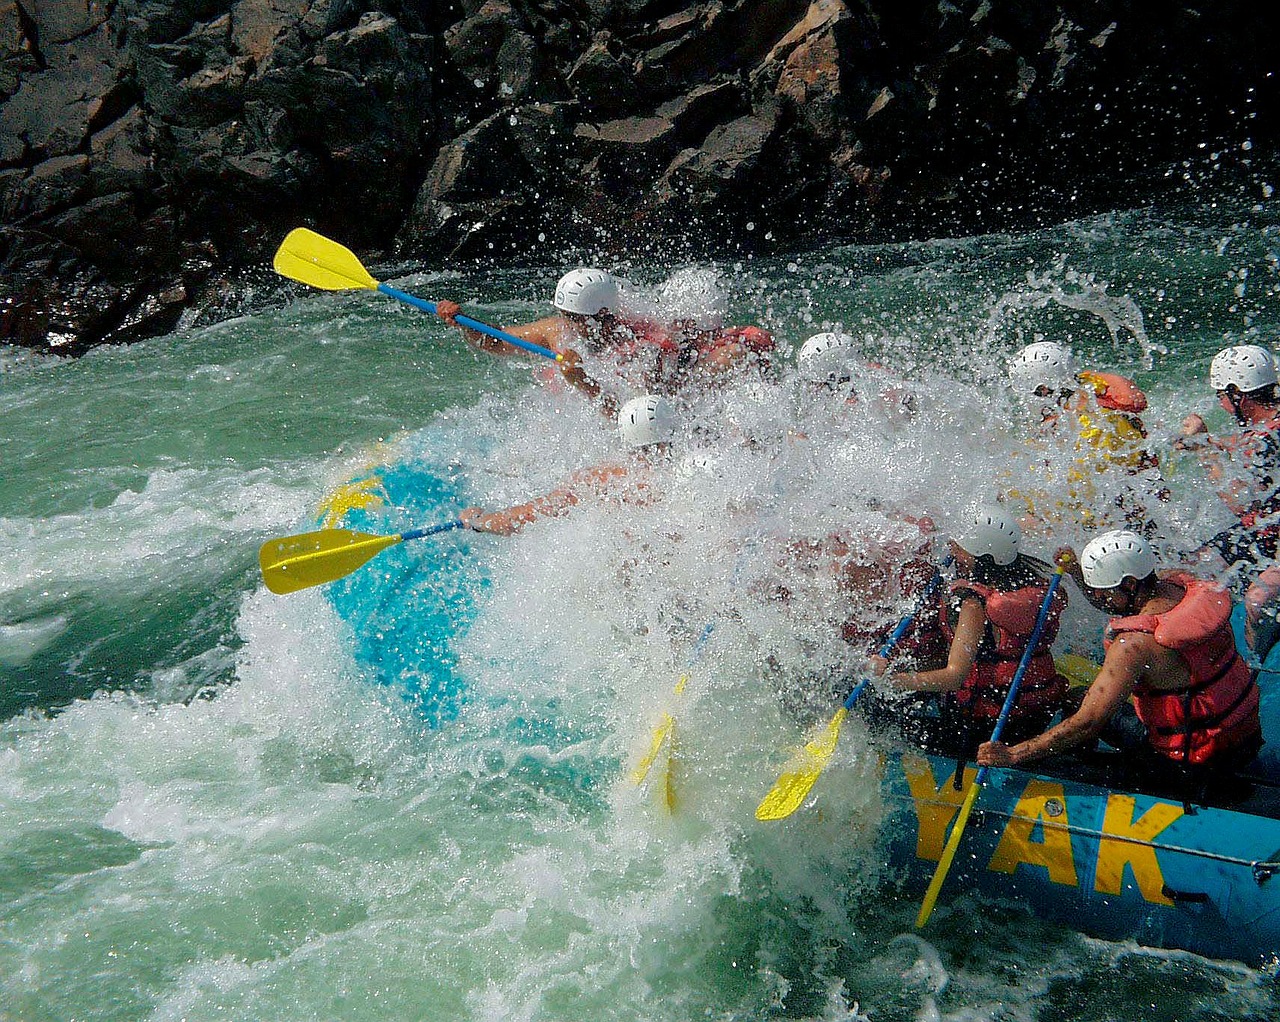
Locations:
{"points": [[147, 145], [603, 79], [727, 159]]}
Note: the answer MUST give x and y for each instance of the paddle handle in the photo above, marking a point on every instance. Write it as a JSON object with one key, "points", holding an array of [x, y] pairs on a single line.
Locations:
{"points": [[469, 323], [431, 530]]}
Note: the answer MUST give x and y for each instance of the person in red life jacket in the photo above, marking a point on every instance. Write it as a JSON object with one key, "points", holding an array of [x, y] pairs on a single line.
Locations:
{"points": [[646, 424], [988, 617], [589, 324], [883, 577], [1169, 646], [694, 304], [1104, 410], [1246, 470]]}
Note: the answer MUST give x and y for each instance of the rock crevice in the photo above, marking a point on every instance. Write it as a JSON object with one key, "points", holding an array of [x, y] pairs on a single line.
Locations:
{"points": [[148, 150]]}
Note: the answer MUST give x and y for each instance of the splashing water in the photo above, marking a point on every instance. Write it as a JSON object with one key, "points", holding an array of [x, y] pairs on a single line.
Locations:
{"points": [[235, 812]]}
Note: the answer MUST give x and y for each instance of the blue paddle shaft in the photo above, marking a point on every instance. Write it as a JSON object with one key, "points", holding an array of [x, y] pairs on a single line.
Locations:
{"points": [[431, 530], [468, 322], [701, 642], [1027, 654], [901, 630]]}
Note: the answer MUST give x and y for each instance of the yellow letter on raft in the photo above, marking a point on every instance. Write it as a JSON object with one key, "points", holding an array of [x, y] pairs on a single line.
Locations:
{"points": [[1134, 847], [935, 806], [1054, 852]]}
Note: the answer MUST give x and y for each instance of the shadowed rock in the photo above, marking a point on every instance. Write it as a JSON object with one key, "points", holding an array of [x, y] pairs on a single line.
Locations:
{"points": [[151, 150]]}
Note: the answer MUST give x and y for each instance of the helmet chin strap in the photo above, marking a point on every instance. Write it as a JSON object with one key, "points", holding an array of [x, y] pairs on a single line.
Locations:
{"points": [[1236, 399], [1130, 595]]}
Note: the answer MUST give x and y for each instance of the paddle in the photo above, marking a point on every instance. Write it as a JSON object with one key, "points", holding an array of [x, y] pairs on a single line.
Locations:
{"points": [[298, 562], [313, 259], [665, 731], [801, 772], [953, 841]]}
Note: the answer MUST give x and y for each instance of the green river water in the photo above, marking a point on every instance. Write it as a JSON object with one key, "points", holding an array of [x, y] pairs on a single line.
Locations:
{"points": [[208, 811]]}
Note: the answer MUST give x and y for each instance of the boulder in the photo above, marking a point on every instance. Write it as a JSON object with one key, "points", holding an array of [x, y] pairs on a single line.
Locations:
{"points": [[727, 160], [603, 79], [146, 145]]}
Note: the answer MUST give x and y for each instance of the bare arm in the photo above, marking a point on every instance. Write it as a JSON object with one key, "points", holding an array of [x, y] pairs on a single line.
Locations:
{"points": [[549, 505], [1120, 672], [960, 659], [573, 374], [544, 332]]}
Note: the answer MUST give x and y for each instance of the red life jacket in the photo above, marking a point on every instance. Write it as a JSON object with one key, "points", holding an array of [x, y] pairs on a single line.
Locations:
{"points": [[1218, 710], [923, 641], [640, 339], [653, 344], [646, 336], [1011, 618], [753, 339], [1115, 392]]}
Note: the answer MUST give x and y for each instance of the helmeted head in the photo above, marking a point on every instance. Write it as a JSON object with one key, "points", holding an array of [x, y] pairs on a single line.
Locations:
{"points": [[989, 531], [646, 420], [827, 358], [753, 413], [587, 292], [694, 297], [1247, 367], [1043, 364], [1107, 560]]}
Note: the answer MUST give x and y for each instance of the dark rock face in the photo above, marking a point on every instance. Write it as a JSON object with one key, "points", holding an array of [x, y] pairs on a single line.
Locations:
{"points": [[149, 149]]}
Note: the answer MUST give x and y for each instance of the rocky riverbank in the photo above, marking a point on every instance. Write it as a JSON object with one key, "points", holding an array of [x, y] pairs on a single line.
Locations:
{"points": [[152, 153]]}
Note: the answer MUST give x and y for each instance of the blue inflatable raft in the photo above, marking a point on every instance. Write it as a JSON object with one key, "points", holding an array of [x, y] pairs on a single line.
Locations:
{"points": [[1114, 863]]}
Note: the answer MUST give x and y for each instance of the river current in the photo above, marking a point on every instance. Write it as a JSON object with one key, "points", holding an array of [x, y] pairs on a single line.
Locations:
{"points": [[216, 803]]}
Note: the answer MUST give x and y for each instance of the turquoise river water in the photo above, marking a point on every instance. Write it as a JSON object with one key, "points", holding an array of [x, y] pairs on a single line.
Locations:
{"points": [[216, 803]]}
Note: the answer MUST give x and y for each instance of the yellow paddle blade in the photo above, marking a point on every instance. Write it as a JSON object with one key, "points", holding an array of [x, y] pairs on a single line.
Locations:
{"points": [[948, 855], [311, 258], [313, 558], [1078, 670], [359, 494], [660, 735], [798, 776]]}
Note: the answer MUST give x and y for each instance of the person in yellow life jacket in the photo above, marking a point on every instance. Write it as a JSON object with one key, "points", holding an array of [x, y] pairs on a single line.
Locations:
{"points": [[1246, 470], [988, 616], [1108, 437], [646, 424], [1169, 647], [588, 322], [694, 305]]}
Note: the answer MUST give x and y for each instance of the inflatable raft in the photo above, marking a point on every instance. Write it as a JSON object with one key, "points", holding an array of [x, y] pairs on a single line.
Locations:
{"points": [[1110, 862], [408, 608]]}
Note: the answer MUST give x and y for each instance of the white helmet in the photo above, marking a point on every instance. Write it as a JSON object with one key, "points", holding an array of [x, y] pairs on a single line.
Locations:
{"points": [[1108, 559], [1043, 364], [991, 531], [1247, 367], [645, 420], [694, 295], [587, 292], [754, 411], [826, 358], [698, 464]]}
